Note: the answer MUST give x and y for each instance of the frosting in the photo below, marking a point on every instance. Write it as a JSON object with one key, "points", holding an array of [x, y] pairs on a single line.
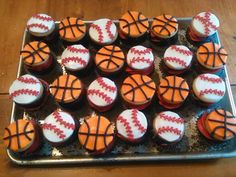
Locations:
{"points": [[102, 92], [58, 127], [140, 57], [209, 88], [75, 57], [26, 90]]}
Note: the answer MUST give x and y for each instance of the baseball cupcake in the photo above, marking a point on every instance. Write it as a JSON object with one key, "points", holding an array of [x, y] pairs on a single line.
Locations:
{"points": [[109, 60], [140, 60], [37, 57], [172, 92], [133, 26], [218, 125], [177, 59], [103, 31], [208, 89], [164, 29], [59, 128], [202, 27], [76, 59], [102, 94], [22, 136], [137, 91], [67, 90], [168, 127], [211, 57], [96, 135], [29, 92], [131, 125]]}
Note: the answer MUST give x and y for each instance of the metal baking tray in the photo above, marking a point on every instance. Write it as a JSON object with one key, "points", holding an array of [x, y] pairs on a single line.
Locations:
{"points": [[193, 145]]}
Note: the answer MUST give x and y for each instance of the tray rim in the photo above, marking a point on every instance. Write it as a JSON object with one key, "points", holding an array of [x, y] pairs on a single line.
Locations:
{"points": [[123, 158]]}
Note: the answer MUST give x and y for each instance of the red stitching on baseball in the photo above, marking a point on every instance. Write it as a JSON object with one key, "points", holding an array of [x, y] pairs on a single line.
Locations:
{"points": [[38, 25], [182, 51], [59, 119], [108, 29], [141, 52], [104, 85], [56, 130], [169, 129], [99, 30], [38, 16], [210, 79], [140, 59], [75, 50], [176, 60], [73, 59], [27, 80], [172, 119], [24, 92], [128, 128], [100, 94], [136, 122], [206, 22], [212, 91]]}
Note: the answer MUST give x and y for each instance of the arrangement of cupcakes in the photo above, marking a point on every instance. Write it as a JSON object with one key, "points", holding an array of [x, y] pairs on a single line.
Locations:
{"points": [[133, 87]]}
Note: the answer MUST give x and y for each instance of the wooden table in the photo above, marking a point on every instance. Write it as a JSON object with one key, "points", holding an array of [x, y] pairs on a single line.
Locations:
{"points": [[13, 16]]}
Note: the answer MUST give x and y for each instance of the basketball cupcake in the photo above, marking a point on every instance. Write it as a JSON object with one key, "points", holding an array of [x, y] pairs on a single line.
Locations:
{"points": [[103, 31], [211, 57], [101, 94], [168, 127], [219, 125], [59, 128], [96, 135], [202, 27], [133, 26], [137, 91], [109, 60], [131, 125], [172, 92], [29, 92], [177, 59], [164, 29], [208, 89], [22, 136], [140, 60], [37, 57], [67, 90]]}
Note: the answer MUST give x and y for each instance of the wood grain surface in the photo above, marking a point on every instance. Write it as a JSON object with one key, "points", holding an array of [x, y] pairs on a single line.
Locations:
{"points": [[13, 16]]}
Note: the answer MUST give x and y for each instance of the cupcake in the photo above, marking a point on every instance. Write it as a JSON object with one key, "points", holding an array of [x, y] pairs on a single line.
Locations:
{"points": [[109, 60], [37, 57], [67, 90], [76, 59], [164, 30], [211, 57], [29, 92], [96, 135], [131, 125], [140, 60], [137, 91], [219, 125], [103, 31], [72, 30], [133, 26], [59, 128], [168, 127], [172, 92], [22, 136], [102, 94], [41, 26], [208, 89], [202, 27], [177, 59]]}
